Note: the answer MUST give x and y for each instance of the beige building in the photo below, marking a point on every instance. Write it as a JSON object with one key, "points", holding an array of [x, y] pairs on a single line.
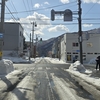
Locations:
{"points": [[70, 47]]}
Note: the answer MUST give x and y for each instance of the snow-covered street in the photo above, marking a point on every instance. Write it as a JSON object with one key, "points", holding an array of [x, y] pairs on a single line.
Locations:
{"points": [[43, 72]]}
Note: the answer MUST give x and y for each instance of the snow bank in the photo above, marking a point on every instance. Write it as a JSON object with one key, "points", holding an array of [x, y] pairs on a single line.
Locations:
{"points": [[38, 59], [17, 59], [6, 66], [92, 61], [77, 66], [55, 60]]}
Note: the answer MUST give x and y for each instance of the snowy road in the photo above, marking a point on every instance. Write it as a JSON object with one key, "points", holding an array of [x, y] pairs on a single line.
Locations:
{"points": [[44, 81]]}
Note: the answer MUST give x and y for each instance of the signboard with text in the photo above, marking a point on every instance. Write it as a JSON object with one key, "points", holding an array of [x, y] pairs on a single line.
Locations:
{"points": [[1, 36]]}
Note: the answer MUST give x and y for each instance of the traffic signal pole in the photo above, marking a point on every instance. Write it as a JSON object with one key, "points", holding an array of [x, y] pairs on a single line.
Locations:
{"points": [[68, 17], [80, 30], [2, 27]]}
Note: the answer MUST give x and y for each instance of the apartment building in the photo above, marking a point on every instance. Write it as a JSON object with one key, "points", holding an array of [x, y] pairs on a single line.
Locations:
{"points": [[70, 46], [13, 39]]}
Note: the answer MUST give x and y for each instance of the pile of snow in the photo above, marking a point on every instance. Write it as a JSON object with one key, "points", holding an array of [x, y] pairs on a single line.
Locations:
{"points": [[77, 66], [55, 60], [18, 59], [92, 61], [6, 66], [38, 59]]}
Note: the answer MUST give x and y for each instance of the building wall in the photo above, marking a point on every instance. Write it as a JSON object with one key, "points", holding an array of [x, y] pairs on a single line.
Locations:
{"points": [[20, 39], [91, 47], [63, 50], [13, 41], [71, 51]]}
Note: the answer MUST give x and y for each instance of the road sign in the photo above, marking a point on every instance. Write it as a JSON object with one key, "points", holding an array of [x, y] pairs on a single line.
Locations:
{"points": [[1, 35], [77, 50]]}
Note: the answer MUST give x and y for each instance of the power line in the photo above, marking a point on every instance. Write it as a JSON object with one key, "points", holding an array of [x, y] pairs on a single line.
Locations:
{"points": [[61, 23], [25, 7], [93, 19], [14, 17], [11, 14], [14, 7], [39, 9], [28, 6], [90, 9], [89, 18]]}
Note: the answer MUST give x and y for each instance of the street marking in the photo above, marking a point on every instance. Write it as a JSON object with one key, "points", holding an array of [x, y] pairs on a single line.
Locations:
{"points": [[50, 86]]}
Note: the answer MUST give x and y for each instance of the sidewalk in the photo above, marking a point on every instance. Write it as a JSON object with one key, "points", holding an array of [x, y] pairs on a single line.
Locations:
{"points": [[88, 81]]}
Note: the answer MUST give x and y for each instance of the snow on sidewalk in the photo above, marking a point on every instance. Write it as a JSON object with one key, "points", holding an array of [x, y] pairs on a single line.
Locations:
{"points": [[6, 66], [79, 70]]}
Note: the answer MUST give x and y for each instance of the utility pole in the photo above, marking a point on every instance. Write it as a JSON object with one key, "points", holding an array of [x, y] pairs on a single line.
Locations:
{"points": [[33, 24], [2, 27], [80, 30], [68, 17], [30, 47]]}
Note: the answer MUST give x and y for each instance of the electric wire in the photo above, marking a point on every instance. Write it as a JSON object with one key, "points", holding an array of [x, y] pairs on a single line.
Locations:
{"points": [[93, 19], [11, 14], [89, 10], [14, 8], [28, 6], [62, 23], [25, 7], [32, 4], [88, 18], [39, 9], [26, 10], [58, 19]]}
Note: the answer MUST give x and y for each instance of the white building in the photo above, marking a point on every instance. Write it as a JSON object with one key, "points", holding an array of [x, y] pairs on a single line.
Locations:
{"points": [[70, 47]]}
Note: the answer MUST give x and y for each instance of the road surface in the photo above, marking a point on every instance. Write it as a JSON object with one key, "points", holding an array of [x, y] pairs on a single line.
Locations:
{"points": [[42, 81]]}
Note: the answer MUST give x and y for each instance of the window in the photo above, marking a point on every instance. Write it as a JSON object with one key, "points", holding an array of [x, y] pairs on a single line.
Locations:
{"points": [[75, 44], [68, 57], [68, 52], [89, 53], [96, 53], [20, 33], [84, 53], [84, 57], [75, 53]]}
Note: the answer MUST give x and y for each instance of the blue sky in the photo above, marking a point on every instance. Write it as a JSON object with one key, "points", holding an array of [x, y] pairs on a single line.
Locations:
{"points": [[39, 11]]}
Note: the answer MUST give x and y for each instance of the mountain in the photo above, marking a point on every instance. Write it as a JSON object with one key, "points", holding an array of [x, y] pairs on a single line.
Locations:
{"points": [[96, 30], [43, 47]]}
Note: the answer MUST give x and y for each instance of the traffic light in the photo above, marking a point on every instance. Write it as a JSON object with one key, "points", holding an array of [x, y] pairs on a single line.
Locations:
{"points": [[67, 15], [52, 15]]}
